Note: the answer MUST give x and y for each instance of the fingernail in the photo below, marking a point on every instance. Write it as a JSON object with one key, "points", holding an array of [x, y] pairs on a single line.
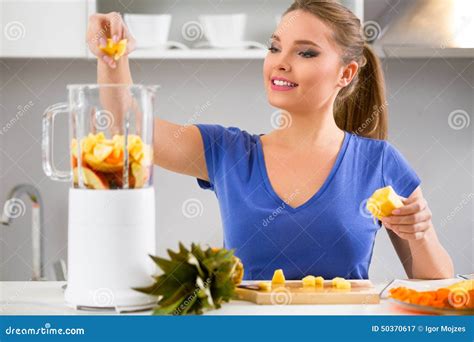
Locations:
{"points": [[115, 38], [102, 42], [107, 59], [396, 211]]}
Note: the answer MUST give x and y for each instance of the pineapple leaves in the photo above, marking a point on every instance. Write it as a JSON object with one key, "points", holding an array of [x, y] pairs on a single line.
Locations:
{"points": [[194, 280]]}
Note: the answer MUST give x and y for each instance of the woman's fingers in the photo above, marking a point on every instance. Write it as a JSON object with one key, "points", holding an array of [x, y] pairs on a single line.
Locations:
{"points": [[130, 40], [421, 216], [411, 206], [95, 33], [115, 24], [104, 26]]}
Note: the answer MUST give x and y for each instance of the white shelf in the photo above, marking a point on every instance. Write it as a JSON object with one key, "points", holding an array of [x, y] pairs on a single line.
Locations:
{"points": [[199, 54]]}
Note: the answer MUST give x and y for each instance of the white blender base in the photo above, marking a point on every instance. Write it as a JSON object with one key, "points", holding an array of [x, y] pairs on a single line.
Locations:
{"points": [[111, 233]]}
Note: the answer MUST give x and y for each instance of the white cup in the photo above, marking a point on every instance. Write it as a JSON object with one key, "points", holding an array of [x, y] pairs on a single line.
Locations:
{"points": [[149, 30], [224, 30]]}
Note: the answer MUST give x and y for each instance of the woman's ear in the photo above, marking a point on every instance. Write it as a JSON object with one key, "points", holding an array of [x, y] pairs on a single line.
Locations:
{"points": [[348, 73]]}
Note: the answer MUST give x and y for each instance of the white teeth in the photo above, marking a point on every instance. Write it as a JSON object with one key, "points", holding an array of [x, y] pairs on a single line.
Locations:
{"points": [[283, 83]]}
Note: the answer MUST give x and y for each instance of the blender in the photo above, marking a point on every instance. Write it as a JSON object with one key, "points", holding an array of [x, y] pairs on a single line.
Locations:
{"points": [[111, 221]]}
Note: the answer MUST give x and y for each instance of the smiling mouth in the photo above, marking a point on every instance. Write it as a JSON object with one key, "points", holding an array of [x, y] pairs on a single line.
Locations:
{"points": [[282, 83]]}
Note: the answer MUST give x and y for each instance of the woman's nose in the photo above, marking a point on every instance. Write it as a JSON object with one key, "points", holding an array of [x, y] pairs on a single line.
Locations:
{"points": [[283, 64]]}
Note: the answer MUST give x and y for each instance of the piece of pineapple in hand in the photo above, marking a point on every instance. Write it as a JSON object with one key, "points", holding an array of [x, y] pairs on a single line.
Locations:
{"points": [[383, 201], [115, 50]]}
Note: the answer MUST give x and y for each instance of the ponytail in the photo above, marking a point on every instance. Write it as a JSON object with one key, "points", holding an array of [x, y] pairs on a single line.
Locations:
{"points": [[361, 107]]}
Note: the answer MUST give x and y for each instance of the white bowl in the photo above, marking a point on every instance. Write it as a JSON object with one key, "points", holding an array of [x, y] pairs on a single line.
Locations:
{"points": [[224, 30], [149, 30]]}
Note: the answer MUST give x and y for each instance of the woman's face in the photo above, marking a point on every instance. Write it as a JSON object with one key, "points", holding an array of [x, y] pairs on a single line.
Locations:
{"points": [[302, 52]]}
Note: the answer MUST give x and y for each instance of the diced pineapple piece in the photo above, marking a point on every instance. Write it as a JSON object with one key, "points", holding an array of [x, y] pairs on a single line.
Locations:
{"points": [[109, 49], [100, 136], [383, 201], [74, 147], [278, 277], [115, 50], [343, 284], [265, 285], [336, 280], [137, 152], [121, 47], [102, 151], [319, 281], [88, 143], [309, 281]]}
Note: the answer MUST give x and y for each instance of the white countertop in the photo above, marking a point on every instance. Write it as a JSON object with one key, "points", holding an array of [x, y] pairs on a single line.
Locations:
{"points": [[46, 298]]}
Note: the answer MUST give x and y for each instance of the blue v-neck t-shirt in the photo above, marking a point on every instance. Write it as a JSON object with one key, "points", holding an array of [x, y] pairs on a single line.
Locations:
{"points": [[330, 235]]}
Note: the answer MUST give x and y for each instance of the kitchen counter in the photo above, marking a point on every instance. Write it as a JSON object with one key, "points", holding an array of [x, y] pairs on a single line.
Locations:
{"points": [[46, 298]]}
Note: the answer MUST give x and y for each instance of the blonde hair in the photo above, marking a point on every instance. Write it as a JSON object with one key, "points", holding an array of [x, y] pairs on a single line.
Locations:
{"points": [[361, 106]]}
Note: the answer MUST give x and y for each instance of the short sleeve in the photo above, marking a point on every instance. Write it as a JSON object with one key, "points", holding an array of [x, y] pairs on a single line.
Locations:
{"points": [[216, 140], [397, 172]]}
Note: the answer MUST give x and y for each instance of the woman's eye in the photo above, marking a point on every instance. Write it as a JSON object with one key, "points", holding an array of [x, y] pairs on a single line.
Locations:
{"points": [[272, 49], [308, 54]]}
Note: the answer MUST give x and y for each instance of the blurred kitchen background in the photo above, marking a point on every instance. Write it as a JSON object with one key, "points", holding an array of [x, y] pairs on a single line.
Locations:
{"points": [[427, 48]]}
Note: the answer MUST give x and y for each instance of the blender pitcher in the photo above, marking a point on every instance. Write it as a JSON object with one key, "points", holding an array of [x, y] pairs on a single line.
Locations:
{"points": [[111, 224]]}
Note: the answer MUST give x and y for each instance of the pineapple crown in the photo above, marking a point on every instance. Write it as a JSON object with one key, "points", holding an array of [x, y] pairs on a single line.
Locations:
{"points": [[194, 280]]}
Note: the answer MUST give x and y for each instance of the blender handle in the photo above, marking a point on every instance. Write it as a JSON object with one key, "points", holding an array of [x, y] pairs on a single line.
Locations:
{"points": [[48, 126]]}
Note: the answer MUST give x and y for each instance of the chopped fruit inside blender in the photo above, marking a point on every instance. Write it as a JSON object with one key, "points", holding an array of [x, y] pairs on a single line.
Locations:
{"points": [[102, 161], [91, 179]]}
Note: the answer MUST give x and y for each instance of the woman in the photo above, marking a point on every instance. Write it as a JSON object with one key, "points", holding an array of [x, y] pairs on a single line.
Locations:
{"points": [[294, 198]]}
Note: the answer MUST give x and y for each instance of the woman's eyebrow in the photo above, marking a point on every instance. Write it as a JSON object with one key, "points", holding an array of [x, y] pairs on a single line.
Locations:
{"points": [[303, 41]]}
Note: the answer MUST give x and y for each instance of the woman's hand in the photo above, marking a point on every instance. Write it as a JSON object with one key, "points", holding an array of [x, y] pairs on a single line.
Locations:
{"points": [[411, 221], [103, 26]]}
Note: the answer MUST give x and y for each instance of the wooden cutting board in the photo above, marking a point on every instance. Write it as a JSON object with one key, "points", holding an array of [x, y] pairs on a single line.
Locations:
{"points": [[362, 292]]}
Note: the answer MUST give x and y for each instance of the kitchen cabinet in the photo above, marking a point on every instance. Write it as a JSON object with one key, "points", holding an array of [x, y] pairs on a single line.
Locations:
{"points": [[44, 28]]}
